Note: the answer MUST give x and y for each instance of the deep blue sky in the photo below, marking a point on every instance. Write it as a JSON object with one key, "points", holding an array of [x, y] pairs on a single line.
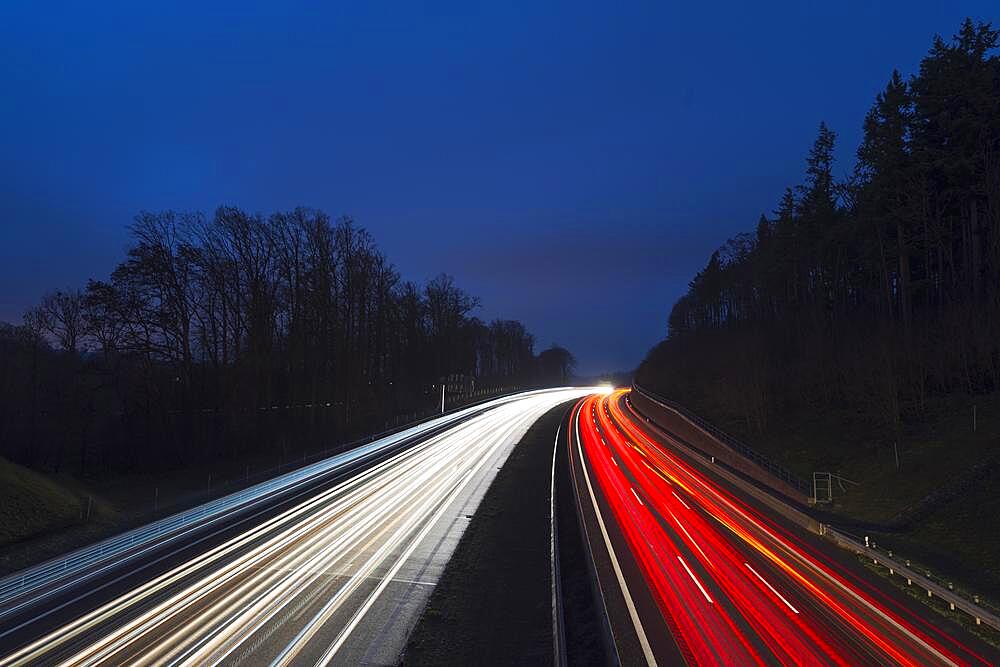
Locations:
{"points": [[571, 164]]}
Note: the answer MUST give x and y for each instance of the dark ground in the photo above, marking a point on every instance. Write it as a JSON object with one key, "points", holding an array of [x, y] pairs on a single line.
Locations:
{"points": [[493, 604], [588, 638], [957, 538]]}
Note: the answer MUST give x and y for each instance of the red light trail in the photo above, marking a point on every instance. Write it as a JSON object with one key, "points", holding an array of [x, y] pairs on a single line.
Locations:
{"points": [[732, 586]]}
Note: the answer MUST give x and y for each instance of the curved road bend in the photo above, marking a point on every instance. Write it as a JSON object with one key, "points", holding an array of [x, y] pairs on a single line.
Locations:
{"points": [[339, 573], [696, 573]]}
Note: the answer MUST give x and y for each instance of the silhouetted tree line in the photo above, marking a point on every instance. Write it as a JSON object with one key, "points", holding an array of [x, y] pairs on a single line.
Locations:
{"points": [[218, 337], [874, 292]]}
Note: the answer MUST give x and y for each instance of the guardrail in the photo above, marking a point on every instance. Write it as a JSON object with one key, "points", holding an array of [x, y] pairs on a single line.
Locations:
{"points": [[732, 442], [115, 548], [903, 568], [47, 573], [955, 600]]}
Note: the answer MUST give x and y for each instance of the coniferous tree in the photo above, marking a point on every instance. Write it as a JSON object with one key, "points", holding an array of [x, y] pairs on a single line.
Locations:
{"points": [[872, 293]]}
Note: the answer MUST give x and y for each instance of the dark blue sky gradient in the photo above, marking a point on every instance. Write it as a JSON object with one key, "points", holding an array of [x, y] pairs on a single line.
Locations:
{"points": [[571, 164]]}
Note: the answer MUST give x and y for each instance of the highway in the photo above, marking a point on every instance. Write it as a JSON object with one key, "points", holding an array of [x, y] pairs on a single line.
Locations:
{"points": [[332, 564], [693, 572]]}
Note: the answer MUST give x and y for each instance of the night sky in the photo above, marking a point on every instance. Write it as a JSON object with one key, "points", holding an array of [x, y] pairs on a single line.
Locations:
{"points": [[571, 164]]}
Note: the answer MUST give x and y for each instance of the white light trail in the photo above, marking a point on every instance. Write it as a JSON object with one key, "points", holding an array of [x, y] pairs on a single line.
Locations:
{"points": [[695, 579], [319, 565], [780, 596]]}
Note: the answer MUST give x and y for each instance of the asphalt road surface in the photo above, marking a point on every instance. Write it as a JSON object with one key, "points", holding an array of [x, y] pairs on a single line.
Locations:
{"points": [[692, 572], [330, 565]]}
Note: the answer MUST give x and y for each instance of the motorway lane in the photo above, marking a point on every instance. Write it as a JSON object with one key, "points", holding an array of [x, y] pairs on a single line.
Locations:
{"points": [[727, 584], [338, 576]]}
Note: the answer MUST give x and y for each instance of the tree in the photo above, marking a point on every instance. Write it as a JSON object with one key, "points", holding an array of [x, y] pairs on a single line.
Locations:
{"points": [[884, 174], [227, 335], [870, 294], [61, 315], [556, 365]]}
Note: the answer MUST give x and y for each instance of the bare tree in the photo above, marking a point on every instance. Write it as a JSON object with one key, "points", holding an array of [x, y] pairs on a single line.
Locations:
{"points": [[61, 315]]}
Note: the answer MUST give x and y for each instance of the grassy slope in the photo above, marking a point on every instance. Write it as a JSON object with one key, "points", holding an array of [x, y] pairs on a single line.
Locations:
{"points": [[962, 536], [32, 503], [34, 532], [42, 516]]}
